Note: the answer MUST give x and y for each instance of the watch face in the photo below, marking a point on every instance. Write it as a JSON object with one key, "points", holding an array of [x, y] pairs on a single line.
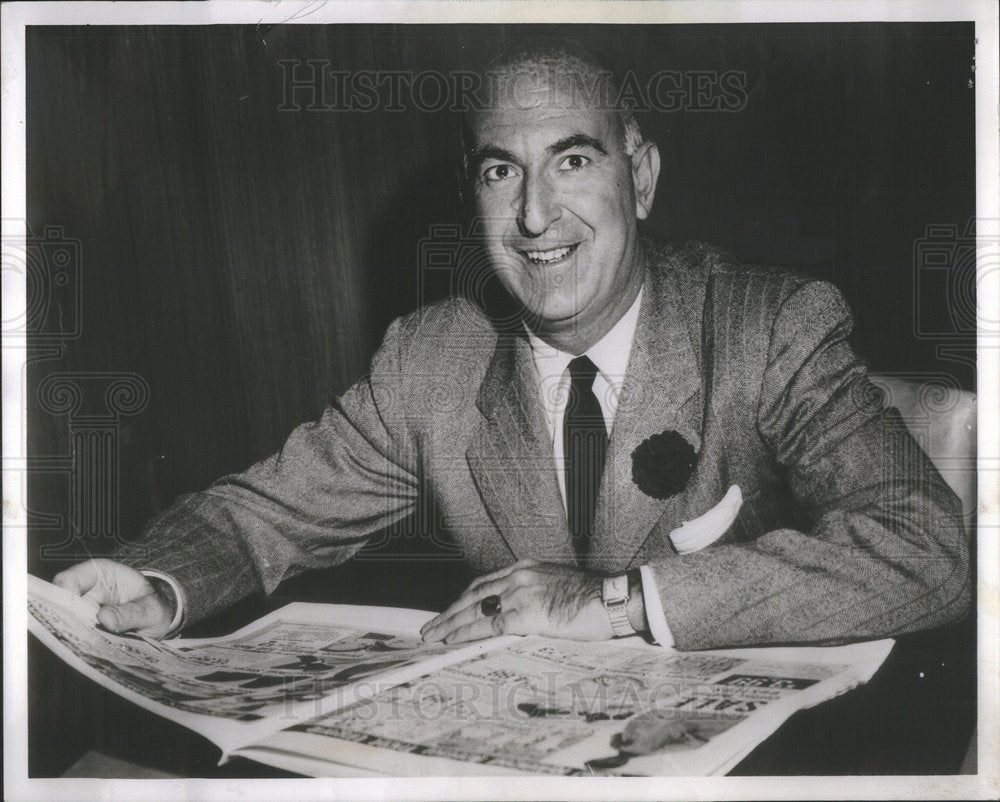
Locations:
{"points": [[615, 589]]}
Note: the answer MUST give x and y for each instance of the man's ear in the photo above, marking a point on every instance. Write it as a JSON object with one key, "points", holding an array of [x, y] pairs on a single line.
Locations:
{"points": [[645, 172]]}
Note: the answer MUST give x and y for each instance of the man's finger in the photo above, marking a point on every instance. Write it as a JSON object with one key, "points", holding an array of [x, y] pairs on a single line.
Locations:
{"points": [[79, 579], [437, 631], [494, 626], [145, 613], [470, 598], [480, 588], [476, 594]]}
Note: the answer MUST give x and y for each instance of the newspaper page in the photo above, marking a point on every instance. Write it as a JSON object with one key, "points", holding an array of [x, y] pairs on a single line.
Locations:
{"points": [[289, 666], [569, 708]]}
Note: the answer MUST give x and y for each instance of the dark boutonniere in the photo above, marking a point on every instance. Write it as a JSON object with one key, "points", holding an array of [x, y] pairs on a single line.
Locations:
{"points": [[662, 464]]}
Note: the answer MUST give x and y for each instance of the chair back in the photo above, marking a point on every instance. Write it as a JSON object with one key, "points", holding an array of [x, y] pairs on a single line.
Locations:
{"points": [[941, 417]]}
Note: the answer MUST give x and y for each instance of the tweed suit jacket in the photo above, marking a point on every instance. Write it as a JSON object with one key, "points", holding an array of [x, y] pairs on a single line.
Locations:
{"points": [[846, 530]]}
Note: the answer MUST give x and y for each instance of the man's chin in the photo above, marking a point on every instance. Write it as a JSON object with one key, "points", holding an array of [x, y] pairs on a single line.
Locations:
{"points": [[550, 319]]}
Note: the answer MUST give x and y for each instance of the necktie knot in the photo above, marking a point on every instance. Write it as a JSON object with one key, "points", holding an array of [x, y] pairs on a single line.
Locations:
{"points": [[582, 372], [582, 406]]}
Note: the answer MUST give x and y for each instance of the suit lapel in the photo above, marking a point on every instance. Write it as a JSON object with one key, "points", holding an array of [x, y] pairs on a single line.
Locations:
{"points": [[662, 390], [511, 458]]}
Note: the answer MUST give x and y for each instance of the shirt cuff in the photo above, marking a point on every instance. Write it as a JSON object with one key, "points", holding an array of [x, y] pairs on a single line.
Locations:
{"points": [[175, 622], [657, 621]]}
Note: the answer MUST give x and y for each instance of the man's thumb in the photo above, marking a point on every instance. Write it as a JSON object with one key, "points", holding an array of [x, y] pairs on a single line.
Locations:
{"points": [[110, 618]]}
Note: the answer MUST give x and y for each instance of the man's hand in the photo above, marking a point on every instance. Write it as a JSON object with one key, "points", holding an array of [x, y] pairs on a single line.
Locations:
{"points": [[128, 600], [535, 599]]}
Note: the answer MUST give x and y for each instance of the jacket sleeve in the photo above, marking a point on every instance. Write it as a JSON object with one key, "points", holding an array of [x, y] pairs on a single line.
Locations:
{"points": [[882, 550], [333, 484]]}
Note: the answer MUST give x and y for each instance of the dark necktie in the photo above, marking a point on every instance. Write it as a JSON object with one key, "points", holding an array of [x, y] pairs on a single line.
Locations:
{"points": [[585, 443]]}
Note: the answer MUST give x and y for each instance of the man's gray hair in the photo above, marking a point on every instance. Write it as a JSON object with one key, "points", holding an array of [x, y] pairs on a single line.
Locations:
{"points": [[597, 83]]}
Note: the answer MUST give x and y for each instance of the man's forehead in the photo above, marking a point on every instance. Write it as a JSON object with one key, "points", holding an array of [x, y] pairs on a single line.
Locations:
{"points": [[546, 112], [526, 134], [543, 116]]}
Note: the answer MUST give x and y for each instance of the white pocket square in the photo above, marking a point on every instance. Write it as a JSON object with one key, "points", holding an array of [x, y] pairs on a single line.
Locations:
{"points": [[706, 529]]}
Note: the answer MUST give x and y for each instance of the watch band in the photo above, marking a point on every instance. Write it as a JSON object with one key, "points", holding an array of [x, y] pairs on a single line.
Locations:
{"points": [[615, 597]]}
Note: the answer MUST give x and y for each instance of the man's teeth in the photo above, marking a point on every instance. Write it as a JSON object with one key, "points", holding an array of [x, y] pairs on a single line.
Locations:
{"points": [[547, 256]]}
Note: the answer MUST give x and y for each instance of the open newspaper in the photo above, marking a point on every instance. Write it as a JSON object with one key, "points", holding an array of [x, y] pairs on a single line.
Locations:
{"points": [[340, 690]]}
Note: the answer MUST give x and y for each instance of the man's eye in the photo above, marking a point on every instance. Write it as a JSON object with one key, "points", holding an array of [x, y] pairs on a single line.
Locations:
{"points": [[574, 162], [498, 172]]}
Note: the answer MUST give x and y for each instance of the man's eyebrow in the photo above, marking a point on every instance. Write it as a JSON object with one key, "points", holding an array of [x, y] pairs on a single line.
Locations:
{"points": [[577, 141], [479, 155]]}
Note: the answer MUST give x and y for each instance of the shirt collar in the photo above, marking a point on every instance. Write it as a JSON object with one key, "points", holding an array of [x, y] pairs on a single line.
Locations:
{"points": [[610, 354]]}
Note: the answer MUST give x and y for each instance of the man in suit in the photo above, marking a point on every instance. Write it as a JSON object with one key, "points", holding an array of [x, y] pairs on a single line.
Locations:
{"points": [[664, 442]]}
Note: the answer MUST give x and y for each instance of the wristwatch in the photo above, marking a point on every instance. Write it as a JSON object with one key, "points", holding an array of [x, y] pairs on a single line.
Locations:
{"points": [[615, 596]]}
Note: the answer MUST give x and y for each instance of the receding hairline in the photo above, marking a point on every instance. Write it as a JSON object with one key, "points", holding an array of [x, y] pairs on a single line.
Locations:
{"points": [[567, 68], [572, 66]]}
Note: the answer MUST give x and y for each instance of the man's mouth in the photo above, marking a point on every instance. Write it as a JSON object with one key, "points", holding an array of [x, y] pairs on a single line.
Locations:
{"points": [[548, 256]]}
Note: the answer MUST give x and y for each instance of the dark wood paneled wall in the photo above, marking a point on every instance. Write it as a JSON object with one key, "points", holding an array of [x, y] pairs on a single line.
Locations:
{"points": [[243, 260]]}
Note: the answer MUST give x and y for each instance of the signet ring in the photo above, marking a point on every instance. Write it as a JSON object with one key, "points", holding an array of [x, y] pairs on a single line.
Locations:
{"points": [[490, 606]]}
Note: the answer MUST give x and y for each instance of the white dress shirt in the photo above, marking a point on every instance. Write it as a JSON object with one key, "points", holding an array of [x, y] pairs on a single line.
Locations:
{"points": [[610, 355]]}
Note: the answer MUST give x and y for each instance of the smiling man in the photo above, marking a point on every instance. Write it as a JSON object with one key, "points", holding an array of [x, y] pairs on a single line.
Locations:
{"points": [[559, 188], [669, 443]]}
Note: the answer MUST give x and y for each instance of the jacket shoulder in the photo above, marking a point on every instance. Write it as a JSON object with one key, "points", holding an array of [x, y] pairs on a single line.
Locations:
{"points": [[445, 334], [700, 262], [695, 265]]}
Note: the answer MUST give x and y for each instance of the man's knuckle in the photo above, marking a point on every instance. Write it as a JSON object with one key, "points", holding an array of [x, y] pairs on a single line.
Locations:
{"points": [[521, 576], [459, 634]]}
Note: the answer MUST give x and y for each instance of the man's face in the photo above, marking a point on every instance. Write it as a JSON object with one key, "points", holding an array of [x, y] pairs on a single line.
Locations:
{"points": [[557, 195]]}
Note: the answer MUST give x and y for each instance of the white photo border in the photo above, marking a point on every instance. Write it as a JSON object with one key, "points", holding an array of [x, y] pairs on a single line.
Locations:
{"points": [[15, 16]]}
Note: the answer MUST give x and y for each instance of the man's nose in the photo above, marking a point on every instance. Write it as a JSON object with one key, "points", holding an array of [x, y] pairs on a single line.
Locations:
{"points": [[538, 207]]}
